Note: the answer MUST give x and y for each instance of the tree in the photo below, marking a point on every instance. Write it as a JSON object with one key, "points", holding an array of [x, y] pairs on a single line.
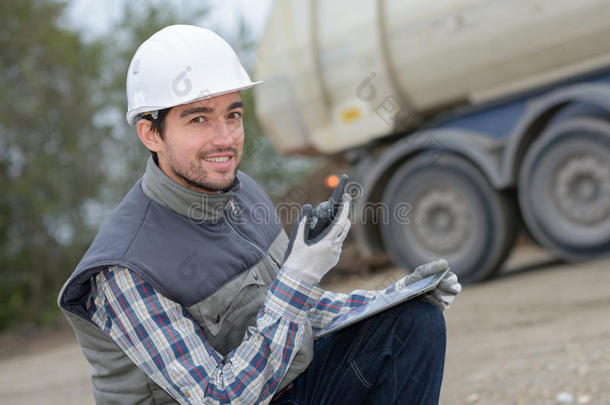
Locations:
{"points": [[50, 164]]}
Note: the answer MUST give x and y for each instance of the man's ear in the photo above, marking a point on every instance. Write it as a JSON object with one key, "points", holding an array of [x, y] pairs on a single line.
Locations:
{"points": [[151, 139]]}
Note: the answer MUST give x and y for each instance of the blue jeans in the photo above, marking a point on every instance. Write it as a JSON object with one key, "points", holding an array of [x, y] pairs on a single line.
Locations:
{"points": [[394, 357]]}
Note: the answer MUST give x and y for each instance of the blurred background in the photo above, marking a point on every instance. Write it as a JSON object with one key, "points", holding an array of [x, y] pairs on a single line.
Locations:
{"points": [[474, 130]]}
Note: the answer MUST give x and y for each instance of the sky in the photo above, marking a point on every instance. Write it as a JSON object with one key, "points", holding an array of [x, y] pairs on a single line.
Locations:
{"points": [[94, 17]]}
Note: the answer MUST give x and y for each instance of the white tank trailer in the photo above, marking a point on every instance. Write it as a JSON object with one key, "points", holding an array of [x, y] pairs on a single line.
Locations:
{"points": [[461, 119]]}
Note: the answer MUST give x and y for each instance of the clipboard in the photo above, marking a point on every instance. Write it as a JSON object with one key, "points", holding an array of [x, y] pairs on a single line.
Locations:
{"points": [[381, 303]]}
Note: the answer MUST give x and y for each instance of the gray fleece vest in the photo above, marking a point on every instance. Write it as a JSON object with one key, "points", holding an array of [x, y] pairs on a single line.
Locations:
{"points": [[217, 258]]}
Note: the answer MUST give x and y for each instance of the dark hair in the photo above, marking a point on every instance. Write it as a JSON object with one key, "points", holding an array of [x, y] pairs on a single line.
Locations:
{"points": [[156, 124]]}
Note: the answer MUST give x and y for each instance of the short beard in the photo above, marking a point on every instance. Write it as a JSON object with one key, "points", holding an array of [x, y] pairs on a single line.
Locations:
{"points": [[201, 182], [207, 186]]}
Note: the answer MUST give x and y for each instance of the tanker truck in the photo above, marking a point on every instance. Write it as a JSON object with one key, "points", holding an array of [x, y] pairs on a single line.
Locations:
{"points": [[461, 120]]}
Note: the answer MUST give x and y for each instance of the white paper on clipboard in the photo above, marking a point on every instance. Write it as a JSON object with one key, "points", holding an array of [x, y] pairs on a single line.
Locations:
{"points": [[383, 302]]}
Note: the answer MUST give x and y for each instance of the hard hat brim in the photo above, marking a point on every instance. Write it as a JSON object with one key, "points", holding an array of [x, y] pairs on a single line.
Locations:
{"points": [[132, 114]]}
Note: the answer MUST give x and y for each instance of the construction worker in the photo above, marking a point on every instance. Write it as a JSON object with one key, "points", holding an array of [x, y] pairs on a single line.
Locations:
{"points": [[185, 297]]}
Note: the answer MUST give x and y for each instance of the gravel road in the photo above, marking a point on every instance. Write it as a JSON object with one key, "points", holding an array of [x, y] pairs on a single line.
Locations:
{"points": [[539, 334]]}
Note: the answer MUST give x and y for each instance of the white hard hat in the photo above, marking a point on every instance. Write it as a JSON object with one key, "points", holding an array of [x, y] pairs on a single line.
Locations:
{"points": [[181, 64]]}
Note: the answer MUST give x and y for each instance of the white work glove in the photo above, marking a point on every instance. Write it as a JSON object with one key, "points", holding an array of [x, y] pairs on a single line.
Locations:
{"points": [[444, 294], [309, 259]]}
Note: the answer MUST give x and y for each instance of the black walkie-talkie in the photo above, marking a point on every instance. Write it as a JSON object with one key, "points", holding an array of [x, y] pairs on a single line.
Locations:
{"points": [[324, 213]]}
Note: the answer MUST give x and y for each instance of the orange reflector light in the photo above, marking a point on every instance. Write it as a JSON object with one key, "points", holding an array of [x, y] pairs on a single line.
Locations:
{"points": [[350, 114], [332, 181]]}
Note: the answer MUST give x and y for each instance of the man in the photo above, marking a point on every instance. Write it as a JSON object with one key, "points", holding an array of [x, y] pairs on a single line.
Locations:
{"points": [[186, 296]]}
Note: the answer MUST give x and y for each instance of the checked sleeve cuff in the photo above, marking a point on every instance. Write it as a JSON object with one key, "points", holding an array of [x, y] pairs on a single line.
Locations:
{"points": [[291, 298]]}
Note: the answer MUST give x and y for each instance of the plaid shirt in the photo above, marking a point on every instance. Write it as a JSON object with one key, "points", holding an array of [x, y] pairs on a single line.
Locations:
{"points": [[164, 341]]}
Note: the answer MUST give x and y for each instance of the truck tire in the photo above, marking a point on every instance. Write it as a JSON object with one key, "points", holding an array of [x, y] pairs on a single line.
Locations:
{"points": [[564, 188], [453, 213]]}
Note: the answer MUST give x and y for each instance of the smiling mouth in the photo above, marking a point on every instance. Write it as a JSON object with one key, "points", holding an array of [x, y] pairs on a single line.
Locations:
{"points": [[217, 159], [220, 163]]}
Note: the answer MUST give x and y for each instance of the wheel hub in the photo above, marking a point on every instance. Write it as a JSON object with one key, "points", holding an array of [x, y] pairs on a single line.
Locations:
{"points": [[443, 222], [582, 189]]}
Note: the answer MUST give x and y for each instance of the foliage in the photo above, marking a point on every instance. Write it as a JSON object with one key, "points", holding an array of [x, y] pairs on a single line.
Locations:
{"points": [[50, 165]]}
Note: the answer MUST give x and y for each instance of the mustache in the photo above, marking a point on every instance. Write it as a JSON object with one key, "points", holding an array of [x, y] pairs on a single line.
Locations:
{"points": [[218, 150]]}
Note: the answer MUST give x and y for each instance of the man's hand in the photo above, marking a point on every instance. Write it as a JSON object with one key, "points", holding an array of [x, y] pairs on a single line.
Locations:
{"points": [[310, 258], [444, 294]]}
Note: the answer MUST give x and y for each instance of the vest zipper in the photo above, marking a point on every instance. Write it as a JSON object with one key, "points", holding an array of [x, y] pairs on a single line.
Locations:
{"points": [[275, 261]]}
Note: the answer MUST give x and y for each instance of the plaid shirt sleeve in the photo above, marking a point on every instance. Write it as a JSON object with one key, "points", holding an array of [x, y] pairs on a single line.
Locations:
{"points": [[163, 340], [331, 304]]}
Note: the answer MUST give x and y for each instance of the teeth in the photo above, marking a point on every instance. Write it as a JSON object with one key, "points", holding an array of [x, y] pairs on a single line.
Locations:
{"points": [[217, 159]]}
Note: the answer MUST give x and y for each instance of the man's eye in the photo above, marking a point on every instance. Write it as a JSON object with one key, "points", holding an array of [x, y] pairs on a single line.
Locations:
{"points": [[235, 115], [198, 120]]}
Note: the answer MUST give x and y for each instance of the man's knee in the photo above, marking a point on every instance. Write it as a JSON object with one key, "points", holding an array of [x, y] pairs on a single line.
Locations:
{"points": [[421, 321]]}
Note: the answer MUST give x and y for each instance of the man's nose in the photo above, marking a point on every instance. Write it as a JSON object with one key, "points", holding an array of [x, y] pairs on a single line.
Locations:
{"points": [[223, 134]]}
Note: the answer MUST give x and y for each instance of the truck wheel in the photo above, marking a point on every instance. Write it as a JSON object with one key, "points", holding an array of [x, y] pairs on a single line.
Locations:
{"points": [[564, 188], [453, 213]]}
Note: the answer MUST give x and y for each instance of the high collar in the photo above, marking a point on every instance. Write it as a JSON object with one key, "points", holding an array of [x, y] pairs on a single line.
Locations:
{"points": [[197, 206]]}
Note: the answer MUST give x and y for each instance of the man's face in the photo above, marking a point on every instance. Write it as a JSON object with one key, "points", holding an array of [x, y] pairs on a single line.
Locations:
{"points": [[203, 143]]}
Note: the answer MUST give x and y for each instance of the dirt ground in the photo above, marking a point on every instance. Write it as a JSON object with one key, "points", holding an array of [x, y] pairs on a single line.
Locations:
{"points": [[539, 334]]}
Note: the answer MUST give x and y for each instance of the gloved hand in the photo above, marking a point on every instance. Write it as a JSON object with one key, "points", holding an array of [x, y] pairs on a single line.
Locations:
{"points": [[309, 259], [444, 294], [324, 212]]}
